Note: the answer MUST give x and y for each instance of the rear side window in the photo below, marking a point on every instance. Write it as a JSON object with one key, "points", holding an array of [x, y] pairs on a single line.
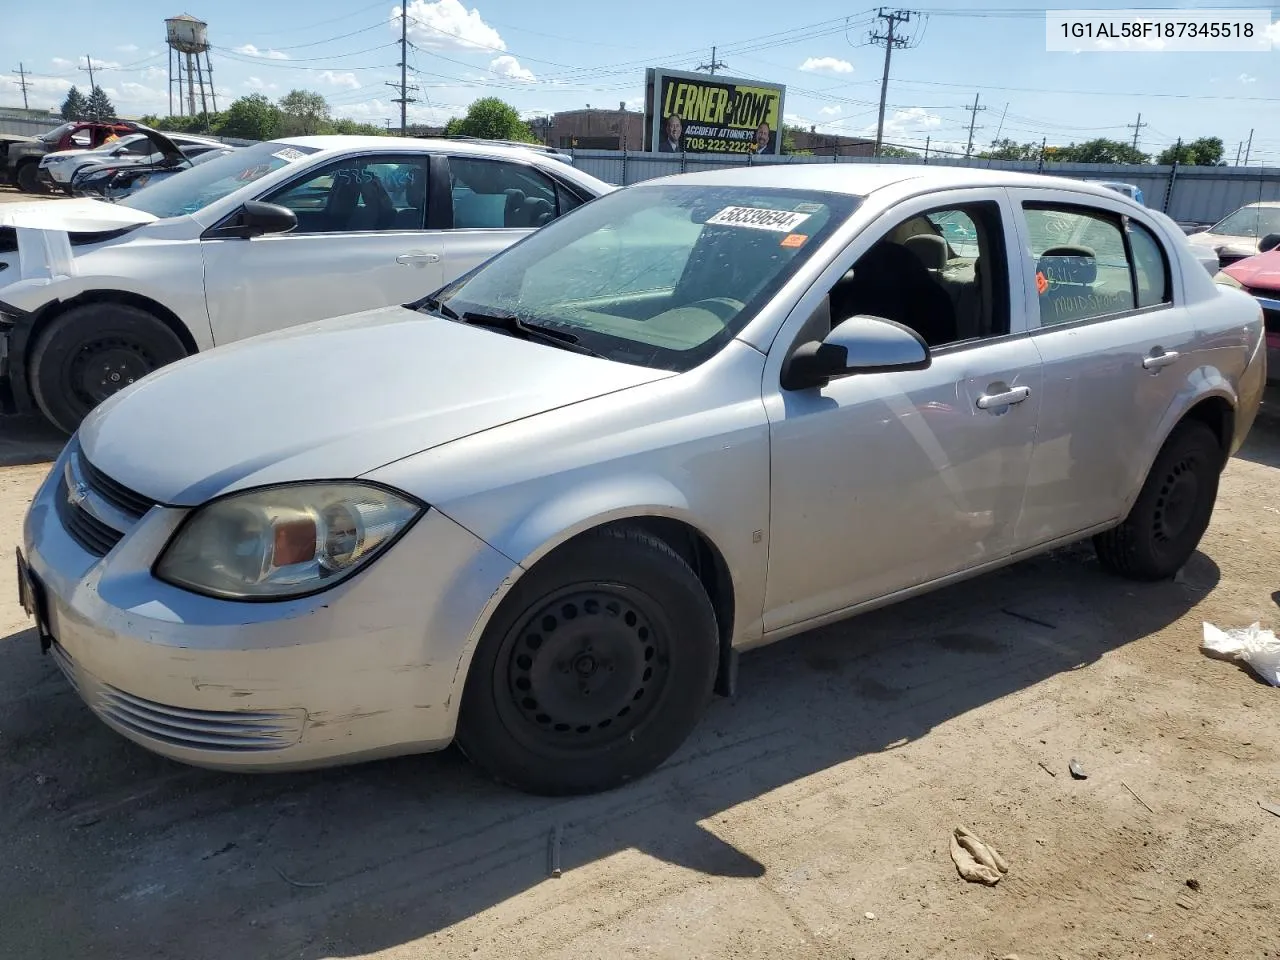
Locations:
{"points": [[497, 194], [1149, 266], [1082, 263]]}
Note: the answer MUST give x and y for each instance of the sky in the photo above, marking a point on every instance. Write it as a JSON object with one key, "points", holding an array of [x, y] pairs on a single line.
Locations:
{"points": [[566, 54]]}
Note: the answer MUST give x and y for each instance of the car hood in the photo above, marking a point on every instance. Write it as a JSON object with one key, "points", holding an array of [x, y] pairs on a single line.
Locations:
{"points": [[1258, 273], [83, 215], [330, 400], [1222, 244]]}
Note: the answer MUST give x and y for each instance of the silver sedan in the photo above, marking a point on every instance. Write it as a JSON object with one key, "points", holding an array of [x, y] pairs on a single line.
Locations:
{"points": [[541, 511]]}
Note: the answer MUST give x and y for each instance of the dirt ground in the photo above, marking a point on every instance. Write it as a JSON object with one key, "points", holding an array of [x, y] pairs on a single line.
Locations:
{"points": [[807, 818]]}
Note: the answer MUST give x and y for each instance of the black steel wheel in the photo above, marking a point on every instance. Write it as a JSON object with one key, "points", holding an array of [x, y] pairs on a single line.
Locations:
{"points": [[92, 352], [594, 669], [1172, 511]]}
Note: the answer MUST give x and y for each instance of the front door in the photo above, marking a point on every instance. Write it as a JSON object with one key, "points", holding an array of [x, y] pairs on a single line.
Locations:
{"points": [[1117, 350], [360, 243], [883, 481]]}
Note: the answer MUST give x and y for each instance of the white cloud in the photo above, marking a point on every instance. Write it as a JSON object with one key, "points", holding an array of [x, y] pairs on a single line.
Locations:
{"points": [[509, 67], [41, 91], [827, 64], [154, 73], [256, 83], [346, 81], [127, 48], [249, 50], [62, 62], [832, 110], [447, 24], [137, 93], [1273, 33], [1245, 78]]}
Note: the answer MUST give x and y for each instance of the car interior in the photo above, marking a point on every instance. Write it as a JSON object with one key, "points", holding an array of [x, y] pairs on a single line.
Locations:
{"points": [[938, 286], [489, 194], [372, 198]]}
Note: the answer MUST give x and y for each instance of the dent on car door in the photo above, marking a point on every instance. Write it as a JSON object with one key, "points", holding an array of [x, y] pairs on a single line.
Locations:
{"points": [[1117, 349], [360, 243], [883, 481]]}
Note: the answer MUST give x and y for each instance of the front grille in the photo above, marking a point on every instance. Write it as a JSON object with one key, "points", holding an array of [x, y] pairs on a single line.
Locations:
{"points": [[200, 729], [65, 664], [87, 497]]}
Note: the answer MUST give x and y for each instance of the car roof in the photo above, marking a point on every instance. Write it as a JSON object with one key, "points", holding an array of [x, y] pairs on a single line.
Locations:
{"points": [[367, 142], [860, 179]]}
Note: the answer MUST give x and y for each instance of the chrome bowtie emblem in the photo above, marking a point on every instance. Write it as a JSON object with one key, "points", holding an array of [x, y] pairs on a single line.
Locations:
{"points": [[77, 493]]}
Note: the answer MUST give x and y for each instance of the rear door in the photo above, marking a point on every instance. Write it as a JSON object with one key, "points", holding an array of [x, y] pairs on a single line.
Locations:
{"points": [[1116, 346], [493, 203], [361, 242]]}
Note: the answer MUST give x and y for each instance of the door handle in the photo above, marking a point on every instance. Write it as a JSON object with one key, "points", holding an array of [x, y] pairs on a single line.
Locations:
{"points": [[415, 259], [1157, 361], [1015, 395]]}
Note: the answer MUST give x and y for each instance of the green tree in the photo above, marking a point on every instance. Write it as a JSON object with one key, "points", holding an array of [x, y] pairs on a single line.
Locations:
{"points": [[898, 153], [253, 117], [789, 141], [1100, 150], [347, 126], [491, 119], [75, 106], [1204, 152], [303, 112], [98, 106], [1006, 149]]}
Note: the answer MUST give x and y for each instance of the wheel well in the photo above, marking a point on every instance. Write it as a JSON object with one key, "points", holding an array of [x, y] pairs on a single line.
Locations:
{"points": [[708, 563], [1218, 415], [161, 313]]}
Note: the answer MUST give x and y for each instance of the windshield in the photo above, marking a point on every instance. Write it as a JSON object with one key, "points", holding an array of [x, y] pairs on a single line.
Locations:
{"points": [[57, 133], [196, 188], [1249, 222], [660, 276]]}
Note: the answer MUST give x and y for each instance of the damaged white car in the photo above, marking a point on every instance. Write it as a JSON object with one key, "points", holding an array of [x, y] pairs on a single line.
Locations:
{"points": [[96, 295]]}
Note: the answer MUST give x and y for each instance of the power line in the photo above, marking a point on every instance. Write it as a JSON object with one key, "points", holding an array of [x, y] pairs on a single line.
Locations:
{"points": [[714, 65], [1137, 128], [404, 100], [892, 19]]}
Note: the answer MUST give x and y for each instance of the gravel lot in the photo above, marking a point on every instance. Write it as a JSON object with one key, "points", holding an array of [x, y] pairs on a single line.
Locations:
{"points": [[809, 818]]}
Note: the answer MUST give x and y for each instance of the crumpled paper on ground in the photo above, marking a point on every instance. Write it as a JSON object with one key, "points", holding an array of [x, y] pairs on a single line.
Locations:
{"points": [[977, 862], [1259, 648]]}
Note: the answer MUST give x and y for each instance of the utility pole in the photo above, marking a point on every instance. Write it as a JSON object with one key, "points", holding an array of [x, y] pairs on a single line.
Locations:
{"points": [[89, 61], [1239, 147], [1247, 148], [714, 65], [927, 140], [975, 110], [1043, 143], [22, 82], [1137, 128], [404, 99], [890, 39]]}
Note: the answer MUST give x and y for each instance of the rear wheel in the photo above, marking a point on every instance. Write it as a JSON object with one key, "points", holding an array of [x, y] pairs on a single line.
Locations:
{"points": [[595, 668], [1172, 511], [92, 352]]}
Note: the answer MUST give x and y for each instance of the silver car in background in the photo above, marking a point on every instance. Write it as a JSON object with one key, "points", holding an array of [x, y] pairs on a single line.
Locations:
{"points": [[542, 510]]}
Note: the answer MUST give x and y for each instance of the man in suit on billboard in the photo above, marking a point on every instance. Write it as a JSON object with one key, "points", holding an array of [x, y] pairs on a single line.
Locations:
{"points": [[672, 133], [764, 140]]}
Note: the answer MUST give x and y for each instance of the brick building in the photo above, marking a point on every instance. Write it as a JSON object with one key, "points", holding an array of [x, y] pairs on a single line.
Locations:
{"points": [[829, 144], [592, 129]]}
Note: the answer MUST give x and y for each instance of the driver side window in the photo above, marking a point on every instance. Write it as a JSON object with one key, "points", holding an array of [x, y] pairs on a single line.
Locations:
{"points": [[943, 273], [359, 194]]}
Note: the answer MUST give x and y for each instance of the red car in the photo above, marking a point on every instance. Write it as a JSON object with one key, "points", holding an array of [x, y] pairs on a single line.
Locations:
{"points": [[20, 156], [1260, 277]]}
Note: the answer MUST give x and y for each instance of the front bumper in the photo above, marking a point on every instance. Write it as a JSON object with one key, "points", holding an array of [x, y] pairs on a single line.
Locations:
{"points": [[370, 668]]}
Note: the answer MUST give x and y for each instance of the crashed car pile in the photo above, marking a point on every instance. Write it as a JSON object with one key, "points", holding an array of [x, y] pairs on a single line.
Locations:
{"points": [[550, 465]]}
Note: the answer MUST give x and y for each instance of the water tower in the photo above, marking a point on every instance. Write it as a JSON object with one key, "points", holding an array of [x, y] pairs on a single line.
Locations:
{"points": [[187, 39]]}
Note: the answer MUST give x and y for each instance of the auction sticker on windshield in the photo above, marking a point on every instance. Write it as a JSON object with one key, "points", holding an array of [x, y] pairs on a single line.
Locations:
{"points": [[289, 154], [757, 218]]}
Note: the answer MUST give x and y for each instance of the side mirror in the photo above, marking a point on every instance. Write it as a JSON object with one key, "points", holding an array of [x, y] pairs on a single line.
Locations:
{"points": [[256, 218], [1270, 242], [860, 344]]}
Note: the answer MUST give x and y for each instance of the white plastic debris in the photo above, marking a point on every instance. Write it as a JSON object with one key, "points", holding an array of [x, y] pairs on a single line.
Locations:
{"points": [[1259, 648]]}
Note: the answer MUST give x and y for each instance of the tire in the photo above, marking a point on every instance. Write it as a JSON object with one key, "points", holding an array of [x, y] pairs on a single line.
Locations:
{"points": [[93, 351], [617, 614], [1172, 511], [27, 177]]}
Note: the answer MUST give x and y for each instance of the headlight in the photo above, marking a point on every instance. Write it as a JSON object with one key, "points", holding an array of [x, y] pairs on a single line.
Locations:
{"points": [[1227, 280], [281, 542]]}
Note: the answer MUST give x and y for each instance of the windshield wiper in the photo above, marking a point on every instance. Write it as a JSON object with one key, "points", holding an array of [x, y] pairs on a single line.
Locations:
{"points": [[437, 305], [537, 332]]}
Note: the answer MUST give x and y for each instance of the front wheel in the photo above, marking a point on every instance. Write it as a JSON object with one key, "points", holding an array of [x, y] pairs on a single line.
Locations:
{"points": [[595, 668], [93, 351], [1172, 511], [28, 178]]}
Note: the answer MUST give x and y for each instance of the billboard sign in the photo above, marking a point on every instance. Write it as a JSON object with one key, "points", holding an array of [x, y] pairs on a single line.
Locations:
{"points": [[704, 113]]}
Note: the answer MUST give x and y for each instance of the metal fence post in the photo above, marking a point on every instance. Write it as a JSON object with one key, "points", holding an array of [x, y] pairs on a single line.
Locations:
{"points": [[683, 161], [624, 168], [1168, 190]]}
